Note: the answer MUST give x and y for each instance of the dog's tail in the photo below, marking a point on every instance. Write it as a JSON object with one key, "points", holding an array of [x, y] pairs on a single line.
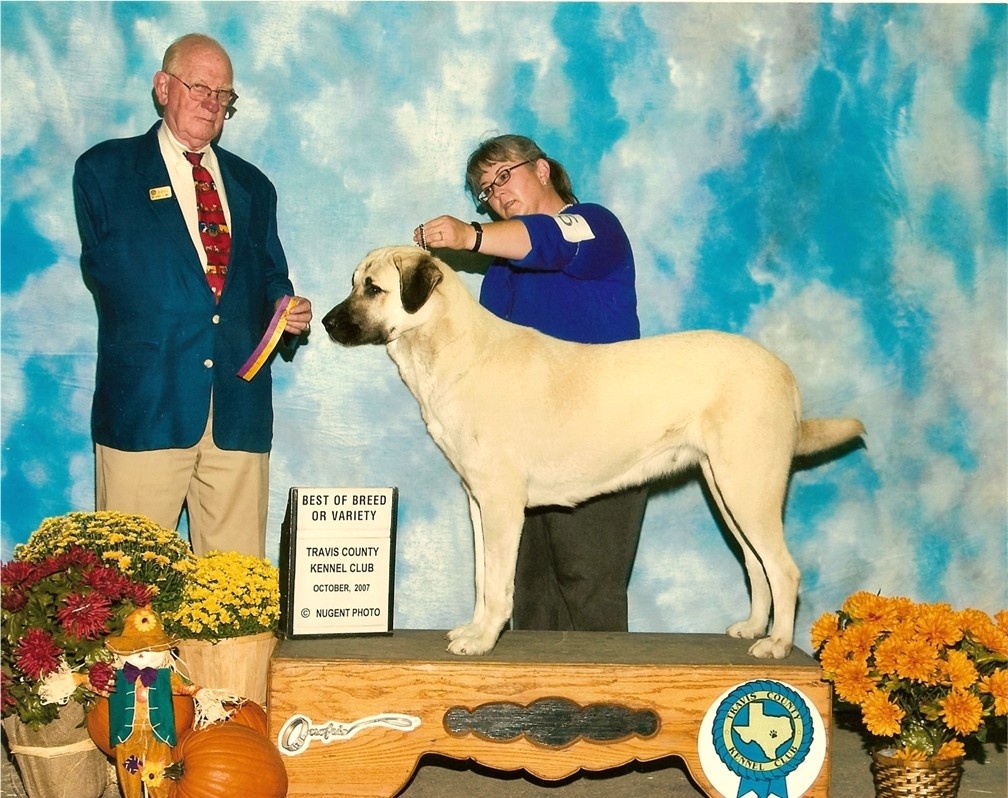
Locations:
{"points": [[822, 434]]}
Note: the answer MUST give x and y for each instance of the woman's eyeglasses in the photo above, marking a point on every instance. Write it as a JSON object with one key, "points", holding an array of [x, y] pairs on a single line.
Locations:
{"points": [[499, 180]]}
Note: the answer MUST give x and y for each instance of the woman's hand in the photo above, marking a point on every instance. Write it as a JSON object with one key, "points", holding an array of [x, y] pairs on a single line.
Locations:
{"points": [[445, 232], [503, 239]]}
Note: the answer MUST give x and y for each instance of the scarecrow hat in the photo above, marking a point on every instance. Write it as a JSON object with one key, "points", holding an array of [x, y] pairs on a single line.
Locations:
{"points": [[142, 631]]}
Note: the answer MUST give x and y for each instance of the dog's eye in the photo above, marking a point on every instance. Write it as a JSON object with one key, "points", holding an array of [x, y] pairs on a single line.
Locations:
{"points": [[371, 288]]}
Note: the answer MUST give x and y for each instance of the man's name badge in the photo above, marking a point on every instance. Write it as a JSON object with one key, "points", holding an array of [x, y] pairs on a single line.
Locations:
{"points": [[160, 193], [337, 562]]}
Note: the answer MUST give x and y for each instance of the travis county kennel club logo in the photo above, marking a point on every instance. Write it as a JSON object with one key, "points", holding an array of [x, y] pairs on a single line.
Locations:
{"points": [[762, 739]]}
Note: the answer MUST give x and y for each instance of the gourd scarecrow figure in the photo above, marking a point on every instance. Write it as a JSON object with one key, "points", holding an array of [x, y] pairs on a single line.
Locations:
{"points": [[141, 715]]}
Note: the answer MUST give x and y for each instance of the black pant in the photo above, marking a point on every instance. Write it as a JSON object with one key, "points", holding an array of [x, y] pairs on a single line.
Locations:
{"points": [[574, 564]]}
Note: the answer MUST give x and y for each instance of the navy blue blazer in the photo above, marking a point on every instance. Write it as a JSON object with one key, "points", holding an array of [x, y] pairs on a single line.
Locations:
{"points": [[163, 343]]}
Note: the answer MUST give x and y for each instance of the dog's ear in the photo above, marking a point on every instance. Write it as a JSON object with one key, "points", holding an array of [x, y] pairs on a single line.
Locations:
{"points": [[417, 283]]}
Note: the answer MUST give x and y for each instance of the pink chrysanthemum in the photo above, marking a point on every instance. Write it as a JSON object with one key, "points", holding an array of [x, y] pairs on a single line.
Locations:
{"points": [[18, 574], [76, 555], [13, 598], [106, 580], [101, 675], [139, 594], [85, 615], [37, 654], [7, 701]]}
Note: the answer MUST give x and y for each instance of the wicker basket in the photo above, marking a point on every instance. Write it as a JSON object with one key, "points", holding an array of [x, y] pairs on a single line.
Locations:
{"points": [[928, 778], [237, 664]]}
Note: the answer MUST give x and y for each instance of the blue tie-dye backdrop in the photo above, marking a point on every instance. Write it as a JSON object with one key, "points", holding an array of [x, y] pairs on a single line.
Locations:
{"points": [[830, 180]]}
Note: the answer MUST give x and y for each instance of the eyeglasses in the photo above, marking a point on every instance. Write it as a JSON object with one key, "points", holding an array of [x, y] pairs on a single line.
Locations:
{"points": [[499, 180], [201, 93]]}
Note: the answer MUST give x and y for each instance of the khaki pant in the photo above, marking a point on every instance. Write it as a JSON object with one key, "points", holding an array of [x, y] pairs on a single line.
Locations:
{"points": [[226, 493]]}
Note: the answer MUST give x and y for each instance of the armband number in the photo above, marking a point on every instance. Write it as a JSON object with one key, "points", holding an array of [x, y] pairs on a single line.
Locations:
{"points": [[574, 227]]}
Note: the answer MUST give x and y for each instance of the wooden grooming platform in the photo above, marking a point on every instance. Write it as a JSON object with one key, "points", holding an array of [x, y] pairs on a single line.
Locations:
{"points": [[353, 716]]}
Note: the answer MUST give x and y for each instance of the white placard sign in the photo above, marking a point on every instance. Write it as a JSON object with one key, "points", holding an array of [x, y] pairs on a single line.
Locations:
{"points": [[338, 561]]}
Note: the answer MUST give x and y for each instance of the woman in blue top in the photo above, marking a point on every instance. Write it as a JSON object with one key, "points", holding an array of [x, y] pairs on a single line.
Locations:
{"points": [[566, 269]]}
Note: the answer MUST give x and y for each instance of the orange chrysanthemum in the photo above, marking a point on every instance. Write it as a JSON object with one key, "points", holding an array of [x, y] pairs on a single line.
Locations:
{"points": [[996, 685], [951, 750], [938, 624], [917, 660], [824, 628], [938, 671], [859, 640], [962, 711], [887, 654], [881, 716], [833, 655], [852, 681], [871, 609], [960, 672], [913, 754], [979, 626]]}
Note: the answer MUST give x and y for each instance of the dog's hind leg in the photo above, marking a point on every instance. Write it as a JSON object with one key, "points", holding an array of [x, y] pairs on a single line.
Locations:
{"points": [[496, 554], [750, 497], [759, 613]]}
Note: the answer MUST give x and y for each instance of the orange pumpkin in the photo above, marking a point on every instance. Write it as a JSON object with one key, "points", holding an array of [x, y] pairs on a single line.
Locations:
{"points": [[250, 714], [98, 720], [226, 760]]}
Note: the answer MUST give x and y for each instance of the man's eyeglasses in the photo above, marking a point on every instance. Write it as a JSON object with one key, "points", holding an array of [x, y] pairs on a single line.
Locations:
{"points": [[201, 93], [499, 180]]}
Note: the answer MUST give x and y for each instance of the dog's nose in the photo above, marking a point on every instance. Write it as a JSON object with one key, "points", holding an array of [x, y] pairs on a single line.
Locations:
{"points": [[329, 321]]}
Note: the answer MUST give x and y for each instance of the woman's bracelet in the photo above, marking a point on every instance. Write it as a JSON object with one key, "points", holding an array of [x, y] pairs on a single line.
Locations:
{"points": [[479, 236]]}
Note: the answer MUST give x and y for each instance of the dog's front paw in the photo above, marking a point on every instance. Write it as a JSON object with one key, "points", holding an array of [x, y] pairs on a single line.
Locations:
{"points": [[459, 631], [746, 630], [472, 642], [768, 648]]}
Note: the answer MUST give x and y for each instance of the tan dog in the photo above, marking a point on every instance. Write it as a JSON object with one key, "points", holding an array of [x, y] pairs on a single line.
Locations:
{"points": [[528, 420]]}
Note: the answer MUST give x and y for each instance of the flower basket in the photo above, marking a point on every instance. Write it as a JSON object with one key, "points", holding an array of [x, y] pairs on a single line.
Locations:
{"points": [[132, 544], [226, 622], [925, 677], [236, 664], [58, 760], [915, 778], [56, 614]]}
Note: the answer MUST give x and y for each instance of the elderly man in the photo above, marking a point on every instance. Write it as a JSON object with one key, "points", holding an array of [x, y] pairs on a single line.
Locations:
{"points": [[179, 246]]}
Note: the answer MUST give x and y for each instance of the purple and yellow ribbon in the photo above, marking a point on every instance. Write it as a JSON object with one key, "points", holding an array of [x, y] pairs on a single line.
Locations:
{"points": [[269, 340]]}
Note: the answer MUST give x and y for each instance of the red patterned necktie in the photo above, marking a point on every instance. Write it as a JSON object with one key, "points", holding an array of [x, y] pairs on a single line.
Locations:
{"points": [[213, 228]]}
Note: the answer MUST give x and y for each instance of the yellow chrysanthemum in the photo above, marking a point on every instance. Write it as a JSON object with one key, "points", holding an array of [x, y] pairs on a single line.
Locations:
{"points": [[228, 595], [881, 716], [962, 711]]}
